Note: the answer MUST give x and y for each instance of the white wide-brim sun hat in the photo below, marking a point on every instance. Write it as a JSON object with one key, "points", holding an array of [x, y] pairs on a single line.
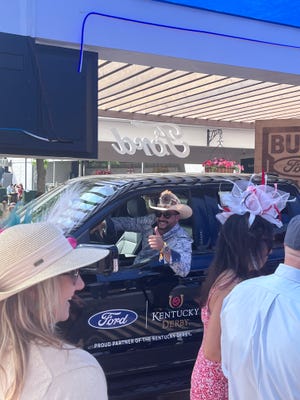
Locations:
{"points": [[32, 253]]}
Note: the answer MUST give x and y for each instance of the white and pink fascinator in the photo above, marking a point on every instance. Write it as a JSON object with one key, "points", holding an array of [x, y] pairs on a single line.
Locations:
{"points": [[264, 200]]}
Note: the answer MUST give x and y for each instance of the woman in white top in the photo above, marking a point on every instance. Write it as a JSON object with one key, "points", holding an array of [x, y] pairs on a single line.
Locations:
{"points": [[39, 274]]}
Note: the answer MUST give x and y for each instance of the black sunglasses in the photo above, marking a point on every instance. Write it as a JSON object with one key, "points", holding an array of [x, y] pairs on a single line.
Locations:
{"points": [[75, 274], [166, 214]]}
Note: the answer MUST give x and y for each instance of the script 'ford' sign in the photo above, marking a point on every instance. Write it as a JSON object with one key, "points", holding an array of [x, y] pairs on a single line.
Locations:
{"points": [[112, 319]]}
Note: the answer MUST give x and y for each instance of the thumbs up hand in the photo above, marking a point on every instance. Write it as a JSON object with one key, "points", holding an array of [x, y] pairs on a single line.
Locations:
{"points": [[156, 241]]}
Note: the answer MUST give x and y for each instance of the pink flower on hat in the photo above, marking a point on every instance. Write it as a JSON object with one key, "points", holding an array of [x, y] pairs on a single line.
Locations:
{"points": [[72, 241]]}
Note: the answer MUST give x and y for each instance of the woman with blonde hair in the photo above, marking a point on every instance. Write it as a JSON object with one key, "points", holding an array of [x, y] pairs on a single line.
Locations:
{"points": [[39, 275]]}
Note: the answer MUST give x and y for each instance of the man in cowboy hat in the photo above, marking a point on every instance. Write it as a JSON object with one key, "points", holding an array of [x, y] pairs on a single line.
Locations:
{"points": [[167, 239]]}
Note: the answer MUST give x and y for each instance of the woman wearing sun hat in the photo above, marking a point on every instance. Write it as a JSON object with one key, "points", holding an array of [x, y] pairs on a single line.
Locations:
{"points": [[38, 277]]}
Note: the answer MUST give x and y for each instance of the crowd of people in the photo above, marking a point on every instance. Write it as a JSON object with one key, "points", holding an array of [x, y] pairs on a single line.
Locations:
{"points": [[14, 192], [250, 341]]}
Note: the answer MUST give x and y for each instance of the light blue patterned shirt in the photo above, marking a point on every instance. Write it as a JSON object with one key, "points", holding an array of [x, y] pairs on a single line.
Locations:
{"points": [[260, 341], [177, 239]]}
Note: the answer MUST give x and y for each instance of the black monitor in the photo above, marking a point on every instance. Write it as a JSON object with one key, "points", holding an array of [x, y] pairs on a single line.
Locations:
{"points": [[47, 107]]}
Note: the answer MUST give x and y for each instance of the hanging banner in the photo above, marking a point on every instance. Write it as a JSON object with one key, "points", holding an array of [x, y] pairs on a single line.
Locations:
{"points": [[277, 147]]}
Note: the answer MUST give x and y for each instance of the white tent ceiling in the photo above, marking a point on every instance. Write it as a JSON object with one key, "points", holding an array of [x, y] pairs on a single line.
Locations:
{"points": [[143, 92]]}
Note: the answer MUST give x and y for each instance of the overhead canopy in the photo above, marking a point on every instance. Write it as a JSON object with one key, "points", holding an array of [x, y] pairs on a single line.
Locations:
{"points": [[143, 92]]}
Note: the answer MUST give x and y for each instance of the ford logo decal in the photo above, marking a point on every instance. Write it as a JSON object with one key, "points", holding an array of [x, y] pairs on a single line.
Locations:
{"points": [[112, 319]]}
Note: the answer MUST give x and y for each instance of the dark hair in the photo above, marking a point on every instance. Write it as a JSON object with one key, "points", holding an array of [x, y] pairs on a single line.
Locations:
{"points": [[240, 249]]}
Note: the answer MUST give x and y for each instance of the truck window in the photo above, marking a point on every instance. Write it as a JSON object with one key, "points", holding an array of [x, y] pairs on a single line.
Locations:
{"points": [[204, 203], [126, 227]]}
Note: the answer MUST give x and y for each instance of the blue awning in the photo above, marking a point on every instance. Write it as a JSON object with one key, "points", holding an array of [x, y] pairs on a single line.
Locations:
{"points": [[275, 11]]}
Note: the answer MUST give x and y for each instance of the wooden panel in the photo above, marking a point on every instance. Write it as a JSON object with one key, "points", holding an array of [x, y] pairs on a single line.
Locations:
{"points": [[277, 147]]}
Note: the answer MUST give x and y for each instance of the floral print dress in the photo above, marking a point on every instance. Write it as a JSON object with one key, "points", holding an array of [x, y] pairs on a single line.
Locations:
{"points": [[208, 381]]}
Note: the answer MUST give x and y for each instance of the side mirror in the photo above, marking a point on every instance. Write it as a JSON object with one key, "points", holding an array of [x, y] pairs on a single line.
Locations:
{"points": [[107, 265]]}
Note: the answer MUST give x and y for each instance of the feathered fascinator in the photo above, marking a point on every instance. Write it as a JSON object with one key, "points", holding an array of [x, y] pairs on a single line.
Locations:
{"points": [[264, 200]]}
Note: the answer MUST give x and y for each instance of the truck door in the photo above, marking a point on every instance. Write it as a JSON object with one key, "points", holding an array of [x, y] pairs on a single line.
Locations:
{"points": [[144, 317]]}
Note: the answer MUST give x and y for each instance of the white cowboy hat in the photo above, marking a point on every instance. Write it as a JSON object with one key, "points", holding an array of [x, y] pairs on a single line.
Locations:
{"points": [[168, 201], [32, 253]]}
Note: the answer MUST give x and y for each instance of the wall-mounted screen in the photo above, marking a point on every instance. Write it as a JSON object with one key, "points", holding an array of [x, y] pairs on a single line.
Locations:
{"points": [[47, 107]]}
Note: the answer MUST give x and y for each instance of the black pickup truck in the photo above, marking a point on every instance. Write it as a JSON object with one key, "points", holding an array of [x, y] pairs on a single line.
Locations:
{"points": [[141, 321]]}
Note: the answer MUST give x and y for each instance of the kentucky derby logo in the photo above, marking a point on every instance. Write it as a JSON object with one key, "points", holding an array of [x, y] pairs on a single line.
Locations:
{"points": [[176, 301]]}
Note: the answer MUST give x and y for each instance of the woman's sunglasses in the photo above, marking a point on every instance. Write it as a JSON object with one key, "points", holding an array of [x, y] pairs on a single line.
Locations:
{"points": [[75, 274], [165, 214]]}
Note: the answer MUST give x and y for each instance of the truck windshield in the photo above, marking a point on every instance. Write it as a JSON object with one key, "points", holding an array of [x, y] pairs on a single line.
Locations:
{"points": [[69, 205]]}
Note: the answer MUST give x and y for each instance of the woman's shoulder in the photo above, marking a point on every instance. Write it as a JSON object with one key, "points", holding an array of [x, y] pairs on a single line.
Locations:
{"points": [[79, 355], [53, 370], [223, 285], [226, 278], [57, 358]]}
